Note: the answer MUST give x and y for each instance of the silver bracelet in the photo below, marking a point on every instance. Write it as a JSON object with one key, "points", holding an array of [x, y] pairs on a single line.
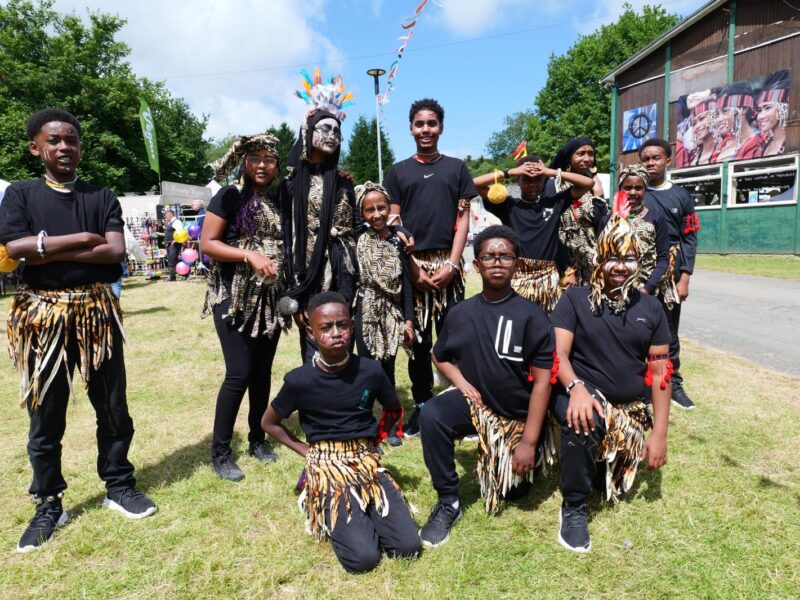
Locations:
{"points": [[572, 384], [40, 243], [453, 266]]}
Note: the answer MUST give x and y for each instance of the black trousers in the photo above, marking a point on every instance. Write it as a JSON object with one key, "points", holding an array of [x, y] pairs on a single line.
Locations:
{"points": [[361, 347], [442, 420], [420, 368], [173, 256], [578, 453], [358, 544], [248, 367], [106, 391], [673, 322]]}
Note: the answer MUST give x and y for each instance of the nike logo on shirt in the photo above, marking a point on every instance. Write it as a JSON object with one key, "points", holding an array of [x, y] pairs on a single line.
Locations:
{"points": [[429, 175]]}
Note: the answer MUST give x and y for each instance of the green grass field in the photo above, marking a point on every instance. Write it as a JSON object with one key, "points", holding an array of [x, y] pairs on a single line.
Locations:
{"points": [[765, 265], [719, 521]]}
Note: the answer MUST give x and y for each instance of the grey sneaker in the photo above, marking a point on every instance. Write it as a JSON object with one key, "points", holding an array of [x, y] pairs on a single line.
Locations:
{"points": [[436, 530], [225, 467], [263, 452], [573, 528], [130, 502], [42, 527]]}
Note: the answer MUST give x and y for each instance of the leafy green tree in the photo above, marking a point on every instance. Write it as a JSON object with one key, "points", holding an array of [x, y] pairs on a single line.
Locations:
{"points": [[286, 139], [362, 152], [573, 102], [48, 59]]}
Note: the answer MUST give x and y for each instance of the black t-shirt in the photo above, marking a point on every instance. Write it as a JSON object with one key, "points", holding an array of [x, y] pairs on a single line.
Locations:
{"points": [[536, 223], [610, 351], [428, 195], [493, 345], [677, 208], [31, 206], [336, 406]]}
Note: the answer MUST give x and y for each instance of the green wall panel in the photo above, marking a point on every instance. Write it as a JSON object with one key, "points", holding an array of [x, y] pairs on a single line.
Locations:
{"points": [[709, 237], [763, 229]]}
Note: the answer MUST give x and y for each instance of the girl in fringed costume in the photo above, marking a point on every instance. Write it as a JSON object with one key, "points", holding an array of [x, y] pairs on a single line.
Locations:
{"points": [[612, 345], [384, 311], [676, 207], [498, 350], [431, 193], [535, 219], [347, 495], [70, 234], [318, 208], [656, 263], [576, 231], [242, 234]]}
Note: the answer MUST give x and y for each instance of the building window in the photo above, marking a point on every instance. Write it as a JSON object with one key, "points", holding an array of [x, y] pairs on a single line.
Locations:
{"points": [[764, 182], [704, 185]]}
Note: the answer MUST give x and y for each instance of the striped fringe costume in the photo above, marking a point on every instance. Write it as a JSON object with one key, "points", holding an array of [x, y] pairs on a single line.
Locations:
{"points": [[538, 281], [498, 438], [667, 290], [342, 471], [431, 305], [43, 323]]}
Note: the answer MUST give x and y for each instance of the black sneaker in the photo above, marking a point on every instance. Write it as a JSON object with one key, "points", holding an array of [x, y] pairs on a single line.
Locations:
{"points": [[263, 452], [130, 502], [573, 528], [680, 399], [393, 439], [225, 467], [436, 530], [49, 517], [411, 428]]}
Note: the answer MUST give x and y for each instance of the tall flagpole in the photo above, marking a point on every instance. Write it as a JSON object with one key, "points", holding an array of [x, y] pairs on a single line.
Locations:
{"points": [[376, 73]]}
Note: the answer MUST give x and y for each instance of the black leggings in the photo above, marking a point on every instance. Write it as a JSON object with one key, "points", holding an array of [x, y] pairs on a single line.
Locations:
{"points": [[248, 366]]}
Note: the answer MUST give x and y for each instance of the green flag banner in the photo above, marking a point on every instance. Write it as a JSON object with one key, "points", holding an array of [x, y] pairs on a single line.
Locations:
{"points": [[149, 132]]}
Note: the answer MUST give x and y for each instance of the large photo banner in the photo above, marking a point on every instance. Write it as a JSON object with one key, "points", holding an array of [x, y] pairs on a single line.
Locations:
{"points": [[745, 119]]}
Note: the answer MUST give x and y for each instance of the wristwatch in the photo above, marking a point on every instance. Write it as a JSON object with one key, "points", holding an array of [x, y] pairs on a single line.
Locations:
{"points": [[572, 384], [505, 173]]}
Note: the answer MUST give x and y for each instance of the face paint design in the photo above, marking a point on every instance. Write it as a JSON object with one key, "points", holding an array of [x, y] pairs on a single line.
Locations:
{"points": [[499, 246], [327, 136]]}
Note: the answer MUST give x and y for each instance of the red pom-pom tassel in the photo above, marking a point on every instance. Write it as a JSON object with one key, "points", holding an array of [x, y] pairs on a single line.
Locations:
{"points": [[530, 373], [554, 369]]}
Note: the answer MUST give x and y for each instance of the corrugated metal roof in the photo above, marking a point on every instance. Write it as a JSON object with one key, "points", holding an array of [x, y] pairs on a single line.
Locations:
{"points": [[660, 41]]}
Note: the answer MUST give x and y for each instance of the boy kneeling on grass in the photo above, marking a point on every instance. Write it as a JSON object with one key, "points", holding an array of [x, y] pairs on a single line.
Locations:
{"points": [[613, 343], [348, 495], [71, 235], [498, 350]]}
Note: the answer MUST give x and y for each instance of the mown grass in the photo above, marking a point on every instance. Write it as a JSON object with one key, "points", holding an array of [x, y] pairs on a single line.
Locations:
{"points": [[779, 266], [719, 521]]}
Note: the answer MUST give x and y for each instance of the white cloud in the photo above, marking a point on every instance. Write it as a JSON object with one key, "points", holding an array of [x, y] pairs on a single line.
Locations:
{"points": [[173, 40], [474, 17]]}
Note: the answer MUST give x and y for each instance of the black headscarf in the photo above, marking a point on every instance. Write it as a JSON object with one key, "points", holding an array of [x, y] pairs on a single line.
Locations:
{"points": [[564, 156], [295, 210]]}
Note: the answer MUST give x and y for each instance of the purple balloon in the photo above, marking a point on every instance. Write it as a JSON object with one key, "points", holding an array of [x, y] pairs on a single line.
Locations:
{"points": [[194, 230], [205, 258]]}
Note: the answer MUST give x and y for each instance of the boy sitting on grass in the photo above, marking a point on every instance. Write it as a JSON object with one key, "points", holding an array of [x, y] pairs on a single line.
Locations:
{"points": [[349, 496], [498, 350]]}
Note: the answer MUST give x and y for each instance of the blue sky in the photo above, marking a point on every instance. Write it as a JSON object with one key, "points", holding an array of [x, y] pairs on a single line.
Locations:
{"points": [[238, 61]]}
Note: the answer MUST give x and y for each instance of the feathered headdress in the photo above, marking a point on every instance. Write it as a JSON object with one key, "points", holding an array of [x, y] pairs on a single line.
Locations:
{"points": [[331, 97]]}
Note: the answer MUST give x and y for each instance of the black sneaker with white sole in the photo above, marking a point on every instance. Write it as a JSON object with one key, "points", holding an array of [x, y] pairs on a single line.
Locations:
{"points": [[226, 468], [263, 452], [573, 528], [411, 428], [436, 530], [680, 399], [130, 502], [49, 516]]}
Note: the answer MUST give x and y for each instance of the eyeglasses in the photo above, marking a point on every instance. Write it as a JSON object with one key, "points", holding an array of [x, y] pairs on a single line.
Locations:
{"points": [[328, 131], [504, 259], [255, 160]]}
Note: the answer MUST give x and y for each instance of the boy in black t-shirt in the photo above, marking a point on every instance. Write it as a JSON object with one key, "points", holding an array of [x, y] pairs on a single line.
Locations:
{"points": [[431, 193], [71, 235], [612, 344], [535, 219], [348, 495], [677, 208], [498, 350]]}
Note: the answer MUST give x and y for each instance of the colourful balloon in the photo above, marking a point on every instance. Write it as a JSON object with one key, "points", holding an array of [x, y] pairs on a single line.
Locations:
{"points": [[180, 236], [205, 258], [182, 268], [194, 230], [189, 256]]}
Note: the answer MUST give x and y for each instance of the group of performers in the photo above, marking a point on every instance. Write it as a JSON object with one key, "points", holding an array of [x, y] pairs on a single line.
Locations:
{"points": [[571, 341]]}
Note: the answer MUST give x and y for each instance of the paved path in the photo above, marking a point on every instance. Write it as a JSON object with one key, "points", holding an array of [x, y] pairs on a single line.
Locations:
{"points": [[757, 318]]}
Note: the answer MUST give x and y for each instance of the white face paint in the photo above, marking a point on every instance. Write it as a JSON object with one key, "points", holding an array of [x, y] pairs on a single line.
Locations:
{"points": [[327, 136], [499, 246]]}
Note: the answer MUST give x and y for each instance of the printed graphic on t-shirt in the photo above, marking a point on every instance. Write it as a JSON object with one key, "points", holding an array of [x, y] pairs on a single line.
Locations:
{"points": [[502, 341]]}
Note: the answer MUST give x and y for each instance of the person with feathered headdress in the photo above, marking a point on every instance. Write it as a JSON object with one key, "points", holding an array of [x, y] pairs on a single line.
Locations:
{"points": [[535, 218], [576, 231], [242, 234], [317, 202], [613, 350]]}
